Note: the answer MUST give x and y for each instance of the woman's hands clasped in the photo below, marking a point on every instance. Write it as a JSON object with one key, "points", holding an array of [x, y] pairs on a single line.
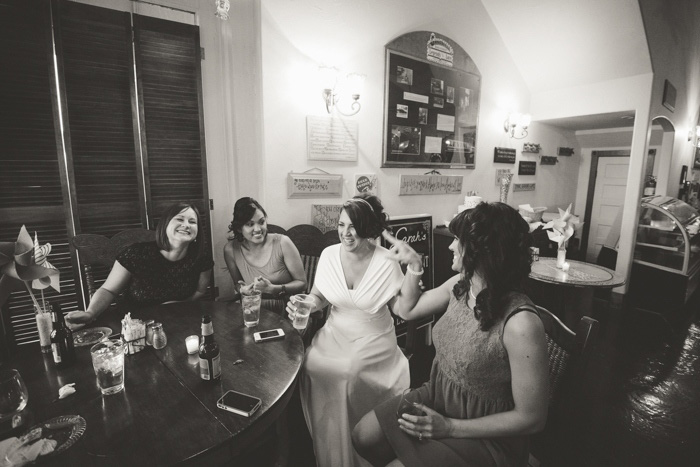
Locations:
{"points": [[259, 283], [432, 425]]}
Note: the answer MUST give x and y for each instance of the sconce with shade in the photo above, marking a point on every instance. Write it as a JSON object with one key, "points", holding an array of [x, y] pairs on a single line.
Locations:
{"points": [[516, 125], [334, 86], [694, 136], [222, 8]]}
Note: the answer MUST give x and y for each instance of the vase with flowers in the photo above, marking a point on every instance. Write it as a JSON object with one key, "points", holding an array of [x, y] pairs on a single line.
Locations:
{"points": [[26, 261]]}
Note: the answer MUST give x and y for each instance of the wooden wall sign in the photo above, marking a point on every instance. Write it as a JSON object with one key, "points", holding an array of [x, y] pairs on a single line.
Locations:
{"points": [[314, 185], [548, 160], [527, 168], [523, 187], [430, 184], [532, 147], [504, 155], [561, 151]]}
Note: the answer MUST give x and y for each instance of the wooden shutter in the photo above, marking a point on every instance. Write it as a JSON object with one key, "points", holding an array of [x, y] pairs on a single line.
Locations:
{"points": [[93, 46], [170, 105], [31, 192]]}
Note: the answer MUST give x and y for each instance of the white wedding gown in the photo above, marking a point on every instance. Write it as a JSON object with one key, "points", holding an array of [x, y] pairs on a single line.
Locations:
{"points": [[353, 363]]}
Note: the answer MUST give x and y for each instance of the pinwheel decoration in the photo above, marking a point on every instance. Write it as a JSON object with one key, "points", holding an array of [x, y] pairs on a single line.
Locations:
{"points": [[26, 261], [561, 230]]}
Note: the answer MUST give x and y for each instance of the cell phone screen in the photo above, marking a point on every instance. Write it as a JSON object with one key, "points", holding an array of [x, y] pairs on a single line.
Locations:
{"points": [[242, 402], [268, 334]]}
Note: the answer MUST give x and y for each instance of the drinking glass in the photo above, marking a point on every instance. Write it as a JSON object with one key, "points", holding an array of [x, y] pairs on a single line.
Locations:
{"points": [[108, 362], [304, 304], [13, 394], [44, 325], [408, 403], [251, 307]]}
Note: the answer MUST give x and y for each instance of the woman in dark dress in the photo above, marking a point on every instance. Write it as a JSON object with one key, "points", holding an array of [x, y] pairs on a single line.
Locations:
{"points": [[174, 267], [488, 386]]}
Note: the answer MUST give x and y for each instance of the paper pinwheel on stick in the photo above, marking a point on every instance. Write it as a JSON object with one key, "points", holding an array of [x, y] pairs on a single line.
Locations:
{"points": [[25, 260], [560, 231]]}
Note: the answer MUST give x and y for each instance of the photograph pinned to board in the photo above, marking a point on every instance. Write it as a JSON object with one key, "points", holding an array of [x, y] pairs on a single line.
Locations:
{"points": [[445, 80], [401, 111], [404, 75], [331, 139], [430, 184], [366, 183], [314, 183], [405, 140], [325, 216]]}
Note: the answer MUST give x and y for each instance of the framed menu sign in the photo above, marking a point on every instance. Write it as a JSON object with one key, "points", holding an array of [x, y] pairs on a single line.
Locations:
{"points": [[431, 103]]}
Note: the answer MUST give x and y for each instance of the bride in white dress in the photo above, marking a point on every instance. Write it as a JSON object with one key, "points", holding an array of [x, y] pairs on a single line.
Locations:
{"points": [[353, 362]]}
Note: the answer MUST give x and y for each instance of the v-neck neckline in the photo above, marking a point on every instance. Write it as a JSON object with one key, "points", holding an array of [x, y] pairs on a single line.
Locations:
{"points": [[364, 274]]}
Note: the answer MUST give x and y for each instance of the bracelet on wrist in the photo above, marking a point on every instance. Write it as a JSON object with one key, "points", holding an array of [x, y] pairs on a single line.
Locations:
{"points": [[410, 271], [282, 292]]}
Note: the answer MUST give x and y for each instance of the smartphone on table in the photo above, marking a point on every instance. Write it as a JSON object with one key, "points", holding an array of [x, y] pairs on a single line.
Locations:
{"points": [[237, 402], [263, 336]]}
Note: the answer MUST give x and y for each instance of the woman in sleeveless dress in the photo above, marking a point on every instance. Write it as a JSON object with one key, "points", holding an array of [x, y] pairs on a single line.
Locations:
{"points": [[353, 362], [488, 386], [267, 262]]}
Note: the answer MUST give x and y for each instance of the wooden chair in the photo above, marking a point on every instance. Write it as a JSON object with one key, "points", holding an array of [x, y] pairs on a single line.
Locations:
{"points": [[97, 253], [568, 353]]}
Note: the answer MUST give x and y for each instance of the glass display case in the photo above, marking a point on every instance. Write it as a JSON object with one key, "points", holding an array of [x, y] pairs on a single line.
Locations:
{"points": [[667, 249]]}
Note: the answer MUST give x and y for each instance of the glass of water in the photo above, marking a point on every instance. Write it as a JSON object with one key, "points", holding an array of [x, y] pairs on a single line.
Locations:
{"points": [[251, 307], [108, 362]]}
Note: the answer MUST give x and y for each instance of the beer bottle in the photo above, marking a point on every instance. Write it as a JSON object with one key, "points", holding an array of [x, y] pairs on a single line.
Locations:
{"points": [[209, 355], [61, 338]]}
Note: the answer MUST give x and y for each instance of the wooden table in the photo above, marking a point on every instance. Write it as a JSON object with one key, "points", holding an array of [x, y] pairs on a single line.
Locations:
{"points": [[569, 294], [166, 414]]}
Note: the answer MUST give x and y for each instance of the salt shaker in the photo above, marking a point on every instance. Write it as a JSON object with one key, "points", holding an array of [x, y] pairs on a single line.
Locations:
{"points": [[160, 340], [149, 332]]}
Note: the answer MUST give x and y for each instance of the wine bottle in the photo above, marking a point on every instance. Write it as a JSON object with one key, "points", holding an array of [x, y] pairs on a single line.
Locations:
{"points": [[209, 354], [61, 338]]}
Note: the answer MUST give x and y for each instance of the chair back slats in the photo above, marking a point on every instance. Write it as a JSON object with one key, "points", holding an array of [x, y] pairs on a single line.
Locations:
{"points": [[310, 265]]}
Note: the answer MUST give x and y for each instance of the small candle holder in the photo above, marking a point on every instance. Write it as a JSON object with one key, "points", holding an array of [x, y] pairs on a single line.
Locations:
{"points": [[192, 343]]}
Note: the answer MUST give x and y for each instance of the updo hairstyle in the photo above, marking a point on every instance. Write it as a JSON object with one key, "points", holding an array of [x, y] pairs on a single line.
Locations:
{"points": [[367, 215], [243, 211]]}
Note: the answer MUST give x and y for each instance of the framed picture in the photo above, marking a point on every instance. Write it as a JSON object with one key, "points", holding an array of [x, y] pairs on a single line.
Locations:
{"points": [[431, 103], [669, 99], [696, 162]]}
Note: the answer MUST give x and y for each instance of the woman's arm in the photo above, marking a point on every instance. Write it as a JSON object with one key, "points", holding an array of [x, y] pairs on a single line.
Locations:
{"points": [[202, 286], [117, 281], [524, 340], [292, 260], [411, 302], [319, 302], [232, 268]]}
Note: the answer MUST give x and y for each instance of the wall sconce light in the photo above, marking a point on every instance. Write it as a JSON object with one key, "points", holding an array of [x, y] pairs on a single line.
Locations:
{"points": [[516, 125], [694, 135], [333, 88], [222, 8]]}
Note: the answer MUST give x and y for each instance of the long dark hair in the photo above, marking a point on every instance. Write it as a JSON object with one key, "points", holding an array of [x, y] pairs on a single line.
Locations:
{"points": [[171, 211], [243, 211], [495, 241], [367, 215]]}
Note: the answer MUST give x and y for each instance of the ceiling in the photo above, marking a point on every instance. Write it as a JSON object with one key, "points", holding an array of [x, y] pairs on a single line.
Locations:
{"points": [[560, 44]]}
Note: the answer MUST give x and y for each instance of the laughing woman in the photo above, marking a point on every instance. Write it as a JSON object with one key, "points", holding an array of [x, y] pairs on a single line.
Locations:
{"points": [[269, 262], [174, 267]]}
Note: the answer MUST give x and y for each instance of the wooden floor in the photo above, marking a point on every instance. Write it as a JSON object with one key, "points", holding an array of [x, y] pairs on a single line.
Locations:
{"points": [[638, 406]]}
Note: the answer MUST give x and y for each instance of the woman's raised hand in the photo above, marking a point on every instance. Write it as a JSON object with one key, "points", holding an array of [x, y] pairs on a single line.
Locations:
{"points": [[402, 252]]}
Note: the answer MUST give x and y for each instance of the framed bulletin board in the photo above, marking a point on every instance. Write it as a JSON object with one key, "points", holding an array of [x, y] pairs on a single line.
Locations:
{"points": [[431, 103]]}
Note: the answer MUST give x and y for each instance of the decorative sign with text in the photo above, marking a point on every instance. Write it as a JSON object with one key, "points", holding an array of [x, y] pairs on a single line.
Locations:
{"points": [[504, 155], [562, 151], [366, 183], [548, 160], [523, 187], [331, 139], [312, 185], [527, 168], [325, 216], [430, 184]]}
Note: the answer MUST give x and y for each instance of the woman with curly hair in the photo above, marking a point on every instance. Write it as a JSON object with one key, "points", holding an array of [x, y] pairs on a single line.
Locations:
{"points": [[353, 362], [266, 261], [488, 386]]}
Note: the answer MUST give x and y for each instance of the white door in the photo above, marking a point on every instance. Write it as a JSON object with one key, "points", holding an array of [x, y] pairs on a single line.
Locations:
{"points": [[608, 201]]}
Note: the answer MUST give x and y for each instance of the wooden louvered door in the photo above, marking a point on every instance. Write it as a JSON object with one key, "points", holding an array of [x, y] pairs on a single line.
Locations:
{"points": [[126, 148]]}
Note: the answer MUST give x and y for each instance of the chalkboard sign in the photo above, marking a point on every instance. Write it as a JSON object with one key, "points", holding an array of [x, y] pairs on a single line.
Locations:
{"points": [[417, 231], [527, 168], [504, 155], [548, 160], [562, 151]]}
